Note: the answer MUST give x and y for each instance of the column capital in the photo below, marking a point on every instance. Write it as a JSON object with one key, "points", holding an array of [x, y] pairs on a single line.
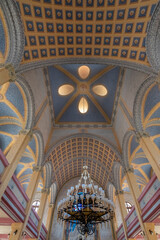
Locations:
{"points": [[26, 132], [119, 192], [129, 169], [51, 205], [139, 135], [11, 72], [45, 190], [37, 168], [158, 78]]}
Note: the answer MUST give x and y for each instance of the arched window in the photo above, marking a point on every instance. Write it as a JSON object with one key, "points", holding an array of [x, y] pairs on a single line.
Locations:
{"points": [[36, 205], [128, 206]]}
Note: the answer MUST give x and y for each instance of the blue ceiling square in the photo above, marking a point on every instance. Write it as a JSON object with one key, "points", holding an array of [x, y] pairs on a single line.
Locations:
{"points": [[99, 15], [79, 3], [108, 28], [79, 28], [32, 40], [110, 15], [88, 28], [68, 2], [27, 9], [79, 51], [48, 12], [69, 15], [40, 27], [79, 40], [79, 15], [51, 40], [69, 28], [70, 51], [43, 52], [88, 40], [26, 55], [30, 26], [59, 14], [59, 27], [143, 11], [106, 51], [52, 52], [89, 15], [35, 54], [50, 27], [42, 40], [38, 11], [107, 40], [69, 40]]}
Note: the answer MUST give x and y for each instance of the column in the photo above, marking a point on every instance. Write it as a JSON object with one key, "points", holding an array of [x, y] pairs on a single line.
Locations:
{"points": [[113, 225], [49, 218], [13, 157], [31, 190], [41, 209], [7, 73], [151, 151], [123, 210], [134, 189]]}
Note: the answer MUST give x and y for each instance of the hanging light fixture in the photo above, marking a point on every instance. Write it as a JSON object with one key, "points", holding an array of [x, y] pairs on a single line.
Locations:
{"points": [[85, 205]]}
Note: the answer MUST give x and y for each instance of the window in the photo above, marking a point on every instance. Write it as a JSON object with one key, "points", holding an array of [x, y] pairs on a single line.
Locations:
{"points": [[36, 205], [128, 206]]}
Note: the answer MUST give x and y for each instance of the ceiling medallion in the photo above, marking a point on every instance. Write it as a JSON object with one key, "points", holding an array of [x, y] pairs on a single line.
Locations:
{"points": [[85, 205], [84, 72]]}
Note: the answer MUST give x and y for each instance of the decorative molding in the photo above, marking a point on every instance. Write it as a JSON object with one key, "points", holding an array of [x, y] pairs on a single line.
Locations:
{"points": [[45, 190], [138, 103], [30, 101], [153, 39], [50, 62], [119, 192], [39, 137], [37, 169], [15, 31], [116, 175], [125, 143]]}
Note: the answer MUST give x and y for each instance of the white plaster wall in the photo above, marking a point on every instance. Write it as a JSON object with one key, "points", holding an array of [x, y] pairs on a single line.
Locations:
{"points": [[121, 125], [132, 81], [35, 78], [45, 124]]}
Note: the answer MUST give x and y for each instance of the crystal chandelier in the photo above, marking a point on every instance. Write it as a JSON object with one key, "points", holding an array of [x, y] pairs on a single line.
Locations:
{"points": [[85, 205]]}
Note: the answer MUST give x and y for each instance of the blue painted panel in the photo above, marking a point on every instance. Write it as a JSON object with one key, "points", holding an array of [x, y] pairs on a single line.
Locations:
{"points": [[26, 160], [156, 114], [2, 38], [109, 80], [152, 99], [140, 160], [57, 78], [19, 168], [140, 150], [134, 145], [72, 114], [94, 69], [153, 130], [4, 141], [14, 96], [157, 142], [138, 173], [5, 110], [10, 128], [147, 170]]}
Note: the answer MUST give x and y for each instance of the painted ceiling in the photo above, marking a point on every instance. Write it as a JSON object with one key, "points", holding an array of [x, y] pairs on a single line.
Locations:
{"points": [[69, 157], [100, 109], [113, 29]]}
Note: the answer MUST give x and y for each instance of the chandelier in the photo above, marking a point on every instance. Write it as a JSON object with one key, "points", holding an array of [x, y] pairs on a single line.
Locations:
{"points": [[85, 205]]}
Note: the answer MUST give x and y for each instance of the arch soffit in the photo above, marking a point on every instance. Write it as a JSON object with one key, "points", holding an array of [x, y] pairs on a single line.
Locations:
{"points": [[110, 188], [117, 175], [48, 172], [125, 144], [120, 63], [138, 103], [30, 101], [153, 39], [38, 135], [15, 31]]}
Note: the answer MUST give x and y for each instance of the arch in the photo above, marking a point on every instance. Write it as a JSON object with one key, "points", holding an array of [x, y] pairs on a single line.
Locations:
{"points": [[110, 191], [15, 31], [46, 63], [117, 167], [125, 158], [53, 193], [47, 173], [138, 103], [39, 137], [153, 39], [30, 101], [86, 135]]}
